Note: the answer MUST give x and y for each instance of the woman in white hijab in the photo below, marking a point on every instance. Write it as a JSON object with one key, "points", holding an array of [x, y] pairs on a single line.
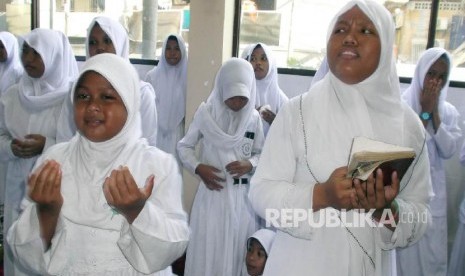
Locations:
{"points": [[106, 202], [169, 79], [228, 131], [30, 110], [106, 35], [270, 97], [301, 185], [427, 96]]}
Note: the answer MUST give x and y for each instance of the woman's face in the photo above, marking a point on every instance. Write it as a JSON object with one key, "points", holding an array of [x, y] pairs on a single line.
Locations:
{"points": [[32, 62], [100, 42], [354, 47], [260, 63], [3, 53], [99, 111], [255, 259], [172, 52]]}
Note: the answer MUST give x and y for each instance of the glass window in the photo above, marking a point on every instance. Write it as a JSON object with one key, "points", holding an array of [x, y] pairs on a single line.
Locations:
{"points": [[296, 30], [13, 14], [146, 22]]}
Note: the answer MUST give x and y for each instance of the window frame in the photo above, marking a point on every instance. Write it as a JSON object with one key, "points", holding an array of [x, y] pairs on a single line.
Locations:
{"points": [[35, 16]]}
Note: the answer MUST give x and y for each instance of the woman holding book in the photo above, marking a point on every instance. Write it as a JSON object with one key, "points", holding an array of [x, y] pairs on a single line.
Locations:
{"points": [[427, 97], [303, 167]]}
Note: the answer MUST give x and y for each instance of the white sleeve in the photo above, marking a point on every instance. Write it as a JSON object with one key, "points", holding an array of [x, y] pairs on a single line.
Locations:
{"points": [[186, 147], [27, 245], [273, 187], [159, 234], [413, 203], [448, 134]]}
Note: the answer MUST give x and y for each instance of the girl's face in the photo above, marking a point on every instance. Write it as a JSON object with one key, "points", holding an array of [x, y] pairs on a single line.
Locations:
{"points": [[260, 63], [32, 62], [100, 42], [437, 73], [3, 53], [354, 47], [236, 103], [172, 52], [256, 258], [99, 111]]}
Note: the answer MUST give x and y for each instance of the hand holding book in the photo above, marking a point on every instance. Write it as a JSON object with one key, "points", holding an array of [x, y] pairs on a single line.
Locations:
{"points": [[366, 155]]}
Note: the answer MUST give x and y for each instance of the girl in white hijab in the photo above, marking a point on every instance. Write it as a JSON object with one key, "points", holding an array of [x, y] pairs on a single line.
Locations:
{"points": [[228, 131], [270, 97], [30, 110], [301, 185], [106, 35], [169, 79], [10, 64], [427, 96], [106, 202]]}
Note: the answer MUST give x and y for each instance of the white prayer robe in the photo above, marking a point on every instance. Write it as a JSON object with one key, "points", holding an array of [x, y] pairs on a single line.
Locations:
{"points": [[91, 238], [308, 140], [429, 255], [221, 221], [169, 82]]}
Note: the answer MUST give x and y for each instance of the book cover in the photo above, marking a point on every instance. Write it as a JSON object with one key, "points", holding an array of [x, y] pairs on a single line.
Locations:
{"points": [[366, 155]]}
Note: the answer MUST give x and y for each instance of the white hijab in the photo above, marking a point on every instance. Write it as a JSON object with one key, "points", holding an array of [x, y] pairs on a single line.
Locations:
{"points": [[219, 124], [265, 237], [37, 94], [169, 83], [12, 69], [116, 32], [268, 90], [371, 108], [412, 94], [89, 163]]}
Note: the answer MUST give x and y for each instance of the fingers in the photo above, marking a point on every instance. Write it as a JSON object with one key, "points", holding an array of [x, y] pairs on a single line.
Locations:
{"points": [[45, 183], [148, 188]]}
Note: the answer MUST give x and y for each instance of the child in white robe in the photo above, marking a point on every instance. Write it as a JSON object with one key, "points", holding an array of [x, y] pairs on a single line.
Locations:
{"points": [[29, 113], [301, 186], [106, 202], [270, 97], [228, 131], [427, 96], [169, 80], [106, 35]]}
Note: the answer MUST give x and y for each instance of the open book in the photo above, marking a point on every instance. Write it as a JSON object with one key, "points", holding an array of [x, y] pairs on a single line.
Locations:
{"points": [[366, 155]]}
